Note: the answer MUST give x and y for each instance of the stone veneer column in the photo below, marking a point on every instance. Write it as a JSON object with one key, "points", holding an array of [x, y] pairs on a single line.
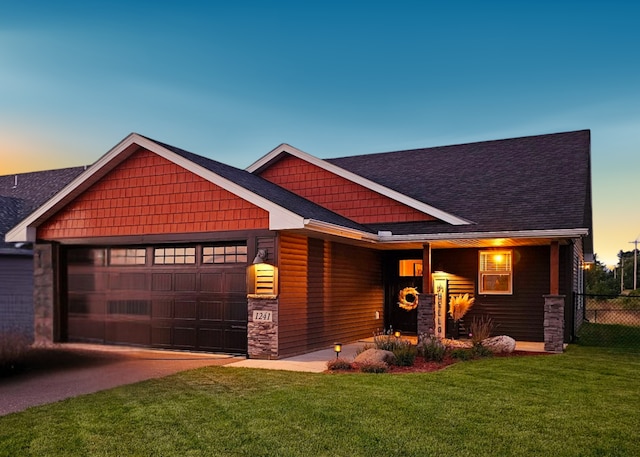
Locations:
{"points": [[426, 316], [262, 337], [43, 294], [554, 323]]}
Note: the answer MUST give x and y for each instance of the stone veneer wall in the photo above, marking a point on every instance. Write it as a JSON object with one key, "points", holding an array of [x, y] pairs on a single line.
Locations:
{"points": [[554, 323], [262, 337], [44, 294], [426, 316]]}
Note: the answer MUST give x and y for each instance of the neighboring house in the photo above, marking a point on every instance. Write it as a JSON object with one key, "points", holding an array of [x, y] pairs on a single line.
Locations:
{"points": [[20, 194], [155, 246]]}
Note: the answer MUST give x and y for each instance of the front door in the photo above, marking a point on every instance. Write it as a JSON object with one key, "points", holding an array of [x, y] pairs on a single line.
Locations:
{"points": [[401, 273]]}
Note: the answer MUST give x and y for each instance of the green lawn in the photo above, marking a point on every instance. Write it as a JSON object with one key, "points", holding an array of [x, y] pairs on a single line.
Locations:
{"points": [[585, 402]]}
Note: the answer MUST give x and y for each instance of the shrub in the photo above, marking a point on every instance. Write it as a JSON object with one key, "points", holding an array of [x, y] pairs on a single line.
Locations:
{"points": [[480, 329], [462, 354], [374, 367], [432, 348], [405, 354], [479, 350], [339, 364], [386, 341]]}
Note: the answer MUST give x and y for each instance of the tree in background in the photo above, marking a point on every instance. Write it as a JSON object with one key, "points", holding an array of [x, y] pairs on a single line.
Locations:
{"points": [[599, 280]]}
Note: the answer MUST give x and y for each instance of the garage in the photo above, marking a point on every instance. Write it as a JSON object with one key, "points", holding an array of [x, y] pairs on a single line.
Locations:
{"points": [[188, 297]]}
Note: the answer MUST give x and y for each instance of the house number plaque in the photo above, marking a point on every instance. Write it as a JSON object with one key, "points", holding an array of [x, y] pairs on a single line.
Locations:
{"points": [[262, 316]]}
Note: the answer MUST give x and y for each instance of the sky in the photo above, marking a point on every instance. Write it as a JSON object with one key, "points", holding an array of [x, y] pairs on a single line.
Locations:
{"points": [[232, 80]]}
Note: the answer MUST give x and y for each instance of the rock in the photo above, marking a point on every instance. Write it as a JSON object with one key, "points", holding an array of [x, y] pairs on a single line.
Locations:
{"points": [[499, 344], [375, 356]]}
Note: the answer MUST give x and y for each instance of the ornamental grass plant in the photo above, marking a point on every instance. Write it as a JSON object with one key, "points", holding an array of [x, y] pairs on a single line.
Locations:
{"points": [[459, 305]]}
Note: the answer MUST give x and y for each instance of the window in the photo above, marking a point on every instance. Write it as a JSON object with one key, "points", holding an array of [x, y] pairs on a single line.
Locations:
{"points": [[495, 275], [410, 268], [224, 254], [174, 256], [135, 256]]}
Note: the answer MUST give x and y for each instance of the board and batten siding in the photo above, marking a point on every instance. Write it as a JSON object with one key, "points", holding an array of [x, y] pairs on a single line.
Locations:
{"points": [[328, 292]]}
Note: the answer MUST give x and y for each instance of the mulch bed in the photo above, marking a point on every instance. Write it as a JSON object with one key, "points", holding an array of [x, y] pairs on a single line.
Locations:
{"points": [[424, 366]]}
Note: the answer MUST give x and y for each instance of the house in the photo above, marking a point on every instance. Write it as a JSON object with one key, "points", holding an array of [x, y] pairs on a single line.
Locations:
{"points": [[20, 194], [156, 246]]}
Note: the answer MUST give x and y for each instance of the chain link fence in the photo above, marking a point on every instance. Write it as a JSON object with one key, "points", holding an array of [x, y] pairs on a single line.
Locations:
{"points": [[610, 321]]}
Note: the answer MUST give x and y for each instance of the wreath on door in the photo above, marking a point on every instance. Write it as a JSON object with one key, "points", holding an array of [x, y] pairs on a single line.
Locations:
{"points": [[408, 298]]}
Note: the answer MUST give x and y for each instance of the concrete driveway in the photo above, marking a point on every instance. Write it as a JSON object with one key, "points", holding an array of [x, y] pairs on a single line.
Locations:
{"points": [[69, 370]]}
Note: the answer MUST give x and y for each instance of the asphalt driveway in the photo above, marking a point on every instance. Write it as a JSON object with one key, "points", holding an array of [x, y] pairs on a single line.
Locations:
{"points": [[69, 370]]}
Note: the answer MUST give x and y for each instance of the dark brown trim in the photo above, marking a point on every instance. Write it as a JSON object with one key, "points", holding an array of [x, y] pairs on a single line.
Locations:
{"points": [[426, 269], [554, 270], [164, 238]]}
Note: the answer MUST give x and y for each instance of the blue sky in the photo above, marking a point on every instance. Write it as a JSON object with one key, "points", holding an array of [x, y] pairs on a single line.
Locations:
{"points": [[232, 80]]}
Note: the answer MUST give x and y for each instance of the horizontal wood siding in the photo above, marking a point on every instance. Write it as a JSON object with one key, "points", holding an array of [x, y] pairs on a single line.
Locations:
{"points": [[520, 315], [328, 292]]}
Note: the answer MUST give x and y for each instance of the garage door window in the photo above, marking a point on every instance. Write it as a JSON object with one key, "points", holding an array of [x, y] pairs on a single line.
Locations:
{"points": [[128, 256], [224, 254], [174, 256]]}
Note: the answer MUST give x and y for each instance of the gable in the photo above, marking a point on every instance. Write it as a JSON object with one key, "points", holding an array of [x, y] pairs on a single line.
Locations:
{"points": [[148, 194], [338, 194]]}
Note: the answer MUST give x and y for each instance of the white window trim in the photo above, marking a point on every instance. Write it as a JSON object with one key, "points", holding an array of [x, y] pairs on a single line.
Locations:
{"points": [[508, 271]]}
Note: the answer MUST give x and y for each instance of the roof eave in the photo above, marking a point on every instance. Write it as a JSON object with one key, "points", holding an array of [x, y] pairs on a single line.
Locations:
{"points": [[551, 234]]}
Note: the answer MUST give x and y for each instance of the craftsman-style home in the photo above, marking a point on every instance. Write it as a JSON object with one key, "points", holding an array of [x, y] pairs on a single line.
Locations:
{"points": [[159, 247]]}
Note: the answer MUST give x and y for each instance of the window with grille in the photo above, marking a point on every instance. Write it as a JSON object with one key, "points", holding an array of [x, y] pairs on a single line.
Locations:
{"points": [[495, 272], [129, 256], [236, 253], [174, 256]]}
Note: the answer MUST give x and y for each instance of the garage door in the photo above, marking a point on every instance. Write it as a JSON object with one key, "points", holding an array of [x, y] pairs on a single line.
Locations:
{"points": [[174, 297]]}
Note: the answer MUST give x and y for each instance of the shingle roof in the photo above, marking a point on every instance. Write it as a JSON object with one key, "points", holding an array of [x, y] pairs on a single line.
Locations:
{"points": [[267, 189], [530, 183], [21, 194]]}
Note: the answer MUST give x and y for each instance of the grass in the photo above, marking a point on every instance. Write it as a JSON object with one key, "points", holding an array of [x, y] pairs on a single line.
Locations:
{"points": [[609, 335], [581, 403]]}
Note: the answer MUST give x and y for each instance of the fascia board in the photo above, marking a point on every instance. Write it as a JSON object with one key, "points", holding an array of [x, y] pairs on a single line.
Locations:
{"points": [[25, 231], [279, 217], [551, 234], [394, 195], [338, 230]]}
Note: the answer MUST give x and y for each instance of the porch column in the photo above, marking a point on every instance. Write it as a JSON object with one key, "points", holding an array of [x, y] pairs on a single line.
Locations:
{"points": [[426, 269], [426, 316], [44, 294], [554, 323], [262, 327], [554, 279]]}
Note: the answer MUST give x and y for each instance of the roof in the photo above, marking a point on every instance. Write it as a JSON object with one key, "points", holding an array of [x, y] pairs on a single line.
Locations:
{"points": [[529, 187], [22, 193], [531, 183]]}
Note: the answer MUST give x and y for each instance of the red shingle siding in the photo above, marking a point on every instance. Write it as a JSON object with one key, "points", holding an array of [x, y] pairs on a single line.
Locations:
{"points": [[338, 194], [147, 194]]}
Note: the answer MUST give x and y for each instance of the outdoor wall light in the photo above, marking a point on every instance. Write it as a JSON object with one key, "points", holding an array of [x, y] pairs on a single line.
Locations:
{"points": [[397, 334], [261, 256], [337, 347]]}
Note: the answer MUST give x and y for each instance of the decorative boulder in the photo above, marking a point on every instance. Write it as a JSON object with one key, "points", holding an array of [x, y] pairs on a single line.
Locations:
{"points": [[375, 356], [500, 344]]}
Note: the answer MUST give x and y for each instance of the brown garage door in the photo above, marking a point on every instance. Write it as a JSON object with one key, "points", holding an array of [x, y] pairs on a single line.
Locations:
{"points": [[174, 297]]}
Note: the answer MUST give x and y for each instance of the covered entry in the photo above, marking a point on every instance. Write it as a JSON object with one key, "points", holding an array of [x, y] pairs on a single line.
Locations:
{"points": [[166, 296]]}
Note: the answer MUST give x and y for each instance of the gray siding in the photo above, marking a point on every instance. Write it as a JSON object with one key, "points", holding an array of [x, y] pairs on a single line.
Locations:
{"points": [[16, 294]]}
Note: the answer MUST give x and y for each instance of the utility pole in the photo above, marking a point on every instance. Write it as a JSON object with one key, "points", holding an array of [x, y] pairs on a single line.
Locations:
{"points": [[635, 262], [621, 271]]}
